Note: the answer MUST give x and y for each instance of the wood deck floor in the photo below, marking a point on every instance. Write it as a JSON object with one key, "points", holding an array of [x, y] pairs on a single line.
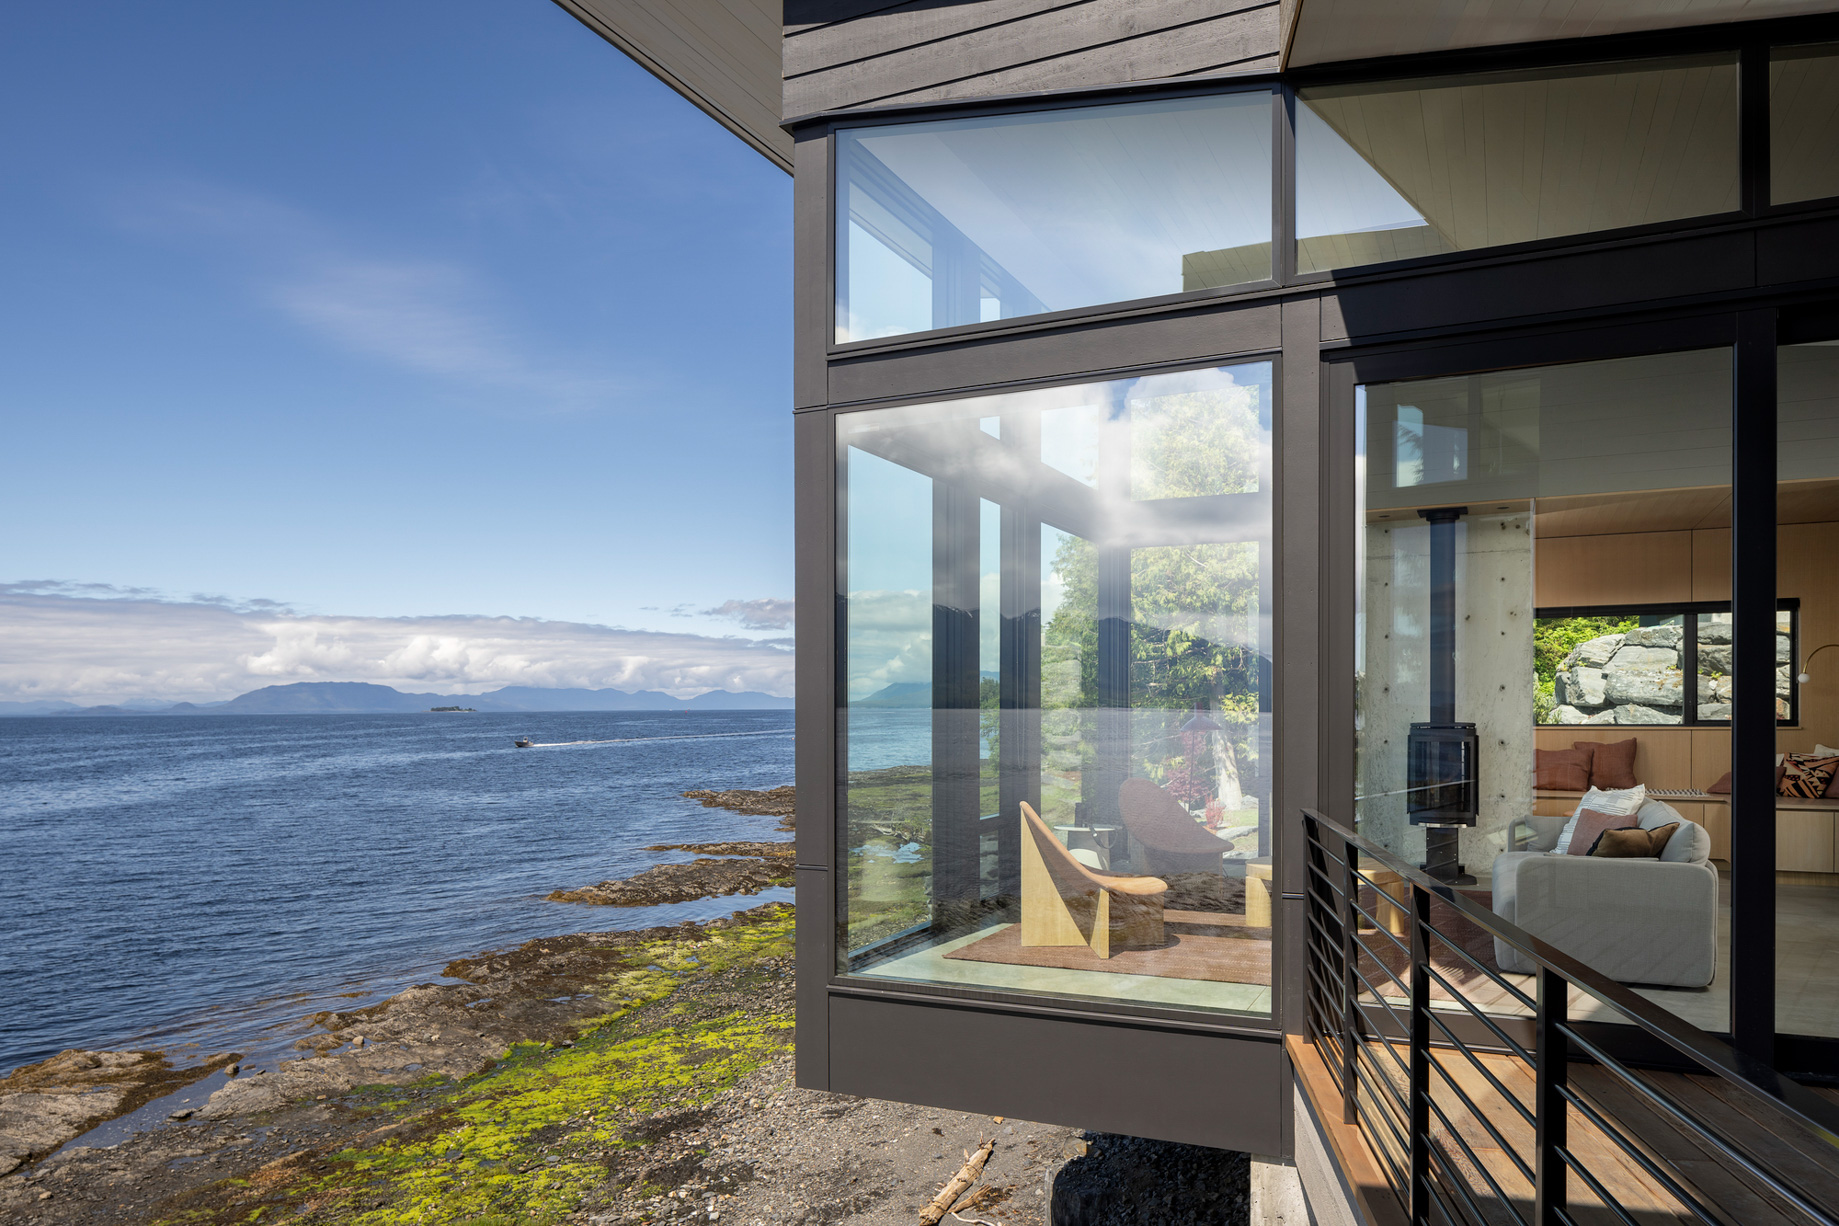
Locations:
{"points": [[1492, 1189]]}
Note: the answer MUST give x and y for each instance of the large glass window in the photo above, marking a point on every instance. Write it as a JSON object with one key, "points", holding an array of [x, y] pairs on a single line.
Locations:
{"points": [[1580, 681], [1056, 736], [1804, 123], [969, 220], [1545, 570], [1396, 169], [1807, 827]]}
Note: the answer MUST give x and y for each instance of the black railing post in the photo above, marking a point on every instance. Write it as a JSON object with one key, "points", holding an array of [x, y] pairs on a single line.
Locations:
{"points": [[1350, 987], [1420, 1055], [1549, 1106]]}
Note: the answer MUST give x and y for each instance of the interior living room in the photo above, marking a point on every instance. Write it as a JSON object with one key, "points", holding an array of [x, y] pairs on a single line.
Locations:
{"points": [[1547, 579]]}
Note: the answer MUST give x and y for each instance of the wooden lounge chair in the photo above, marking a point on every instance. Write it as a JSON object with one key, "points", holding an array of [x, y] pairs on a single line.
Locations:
{"points": [[1163, 837], [1066, 903]]}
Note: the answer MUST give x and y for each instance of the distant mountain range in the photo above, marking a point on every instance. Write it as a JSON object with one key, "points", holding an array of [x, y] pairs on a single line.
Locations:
{"points": [[362, 698], [904, 695]]}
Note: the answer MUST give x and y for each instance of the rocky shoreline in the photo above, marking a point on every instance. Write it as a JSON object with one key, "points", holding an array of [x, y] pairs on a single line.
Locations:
{"points": [[624, 1078]]}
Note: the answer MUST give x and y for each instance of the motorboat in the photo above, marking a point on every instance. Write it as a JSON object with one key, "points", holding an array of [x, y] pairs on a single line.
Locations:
{"points": [[522, 742]]}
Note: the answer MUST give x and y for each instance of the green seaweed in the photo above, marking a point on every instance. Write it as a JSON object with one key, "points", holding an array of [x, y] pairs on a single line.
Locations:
{"points": [[530, 1138]]}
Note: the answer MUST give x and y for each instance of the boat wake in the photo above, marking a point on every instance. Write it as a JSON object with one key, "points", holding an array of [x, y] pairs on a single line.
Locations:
{"points": [[632, 740]]}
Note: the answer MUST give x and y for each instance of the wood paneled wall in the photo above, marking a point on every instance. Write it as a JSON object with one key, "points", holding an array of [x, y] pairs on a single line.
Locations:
{"points": [[855, 53], [1654, 567]]}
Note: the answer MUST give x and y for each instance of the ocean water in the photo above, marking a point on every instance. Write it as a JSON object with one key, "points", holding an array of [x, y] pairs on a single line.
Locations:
{"points": [[211, 880]]}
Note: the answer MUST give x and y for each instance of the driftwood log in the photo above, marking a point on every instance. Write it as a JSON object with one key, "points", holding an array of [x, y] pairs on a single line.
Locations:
{"points": [[967, 1175]]}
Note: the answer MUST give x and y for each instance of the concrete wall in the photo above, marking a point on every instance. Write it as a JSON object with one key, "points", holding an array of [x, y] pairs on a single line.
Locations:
{"points": [[1494, 677]]}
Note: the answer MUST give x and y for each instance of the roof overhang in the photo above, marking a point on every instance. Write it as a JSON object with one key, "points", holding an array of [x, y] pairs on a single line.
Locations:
{"points": [[723, 55], [1335, 31]]}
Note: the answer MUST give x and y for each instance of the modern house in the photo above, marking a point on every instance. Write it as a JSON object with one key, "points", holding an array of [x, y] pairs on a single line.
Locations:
{"points": [[1317, 528]]}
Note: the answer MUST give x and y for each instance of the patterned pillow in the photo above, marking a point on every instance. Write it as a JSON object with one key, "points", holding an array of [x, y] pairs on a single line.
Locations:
{"points": [[1807, 775]]}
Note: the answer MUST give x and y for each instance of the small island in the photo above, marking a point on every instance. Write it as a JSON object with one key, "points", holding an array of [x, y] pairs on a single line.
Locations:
{"points": [[474, 710]]}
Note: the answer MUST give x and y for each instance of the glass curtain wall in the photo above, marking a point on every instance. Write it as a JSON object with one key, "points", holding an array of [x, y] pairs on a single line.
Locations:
{"points": [[1803, 123], [1055, 730], [1807, 827], [1544, 586], [970, 220], [1396, 169]]}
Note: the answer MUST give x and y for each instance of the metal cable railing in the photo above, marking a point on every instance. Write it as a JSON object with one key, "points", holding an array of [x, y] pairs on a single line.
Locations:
{"points": [[1383, 1042]]}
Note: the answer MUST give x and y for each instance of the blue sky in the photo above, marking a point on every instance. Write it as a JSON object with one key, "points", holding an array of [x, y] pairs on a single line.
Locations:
{"points": [[383, 311]]}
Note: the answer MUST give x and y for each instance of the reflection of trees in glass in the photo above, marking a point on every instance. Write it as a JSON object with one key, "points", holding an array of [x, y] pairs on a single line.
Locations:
{"points": [[1194, 609], [989, 731], [1199, 443]]}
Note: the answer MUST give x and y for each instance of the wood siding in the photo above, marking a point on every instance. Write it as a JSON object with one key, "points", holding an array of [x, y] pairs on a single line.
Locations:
{"points": [[841, 54]]}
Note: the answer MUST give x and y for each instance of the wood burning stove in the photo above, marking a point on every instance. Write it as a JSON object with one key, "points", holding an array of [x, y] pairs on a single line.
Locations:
{"points": [[1443, 761]]}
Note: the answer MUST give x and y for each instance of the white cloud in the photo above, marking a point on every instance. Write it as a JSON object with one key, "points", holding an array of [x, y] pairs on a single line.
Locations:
{"points": [[95, 644], [430, 316], [768, 613], [890, 640]]}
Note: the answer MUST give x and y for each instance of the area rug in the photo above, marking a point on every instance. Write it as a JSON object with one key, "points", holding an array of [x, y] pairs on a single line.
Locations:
{"points": [[1205, 945]]}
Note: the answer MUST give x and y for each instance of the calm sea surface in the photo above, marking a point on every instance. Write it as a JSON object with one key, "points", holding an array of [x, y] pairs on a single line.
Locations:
{"points": [[213, 879]]}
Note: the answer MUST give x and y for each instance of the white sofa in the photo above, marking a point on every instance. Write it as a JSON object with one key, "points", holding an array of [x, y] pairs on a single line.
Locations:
{"points": [[1634, 921]]}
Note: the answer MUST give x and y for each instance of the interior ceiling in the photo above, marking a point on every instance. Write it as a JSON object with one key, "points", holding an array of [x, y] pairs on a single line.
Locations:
{"points": [[723, 55], [1796, 502], [1328, 31]]}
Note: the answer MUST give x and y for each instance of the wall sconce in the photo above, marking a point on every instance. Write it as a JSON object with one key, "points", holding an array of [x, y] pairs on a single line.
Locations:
{"points": [[1806, 676]]}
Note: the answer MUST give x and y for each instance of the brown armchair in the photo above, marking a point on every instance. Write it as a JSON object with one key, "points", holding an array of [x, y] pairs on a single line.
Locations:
{"points": [[1066, 903], [1164, 838]]}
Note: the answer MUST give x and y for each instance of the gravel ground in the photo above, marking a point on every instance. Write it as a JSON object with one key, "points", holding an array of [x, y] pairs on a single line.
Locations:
{"points": [[769, 1154]]}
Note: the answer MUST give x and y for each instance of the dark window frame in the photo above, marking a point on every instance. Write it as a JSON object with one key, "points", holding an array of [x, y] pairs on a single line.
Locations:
{"points": [[1689, 612], [1752, 42], [838, 979]]}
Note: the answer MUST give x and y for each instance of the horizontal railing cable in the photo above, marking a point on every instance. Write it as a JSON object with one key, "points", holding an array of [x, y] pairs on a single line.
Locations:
{"points": [[1396, 1103], [1703, 1212]]}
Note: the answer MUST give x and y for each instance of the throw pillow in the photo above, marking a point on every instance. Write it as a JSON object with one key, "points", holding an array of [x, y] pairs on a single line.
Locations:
{"points": [[1827, 751], [1722, 786], [1634, 844], [1561, 770], [1622, 800], [1590, 828], [1807, 775], [1613, 765]]}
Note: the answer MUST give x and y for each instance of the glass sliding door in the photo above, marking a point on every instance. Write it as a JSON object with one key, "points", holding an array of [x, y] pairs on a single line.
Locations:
{"points": [[1542, 643], [1807, 822], [1056, 614]]}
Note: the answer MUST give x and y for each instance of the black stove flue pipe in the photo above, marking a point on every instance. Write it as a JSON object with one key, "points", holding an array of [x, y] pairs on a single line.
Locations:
{"points": [[1444, 753], [1443, 611]]}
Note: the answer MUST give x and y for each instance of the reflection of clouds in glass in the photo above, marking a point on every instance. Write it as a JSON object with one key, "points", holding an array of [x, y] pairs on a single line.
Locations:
{"points": [[888, 296], [1069, 440], [1058, 200], [890, 525], [890, 640]]}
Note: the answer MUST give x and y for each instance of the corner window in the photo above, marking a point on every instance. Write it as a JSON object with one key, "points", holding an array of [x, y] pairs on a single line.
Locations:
{"points": [[1803, 123], [971, 220], [1397, 169], [1055, 726]]}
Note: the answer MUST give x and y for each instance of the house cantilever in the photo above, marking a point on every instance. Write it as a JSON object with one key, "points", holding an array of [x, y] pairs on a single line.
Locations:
{"points": [[1401, 445]]}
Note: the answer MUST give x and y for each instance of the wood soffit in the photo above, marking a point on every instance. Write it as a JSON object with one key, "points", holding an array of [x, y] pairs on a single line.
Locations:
{"points": [[1336, 31]]}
